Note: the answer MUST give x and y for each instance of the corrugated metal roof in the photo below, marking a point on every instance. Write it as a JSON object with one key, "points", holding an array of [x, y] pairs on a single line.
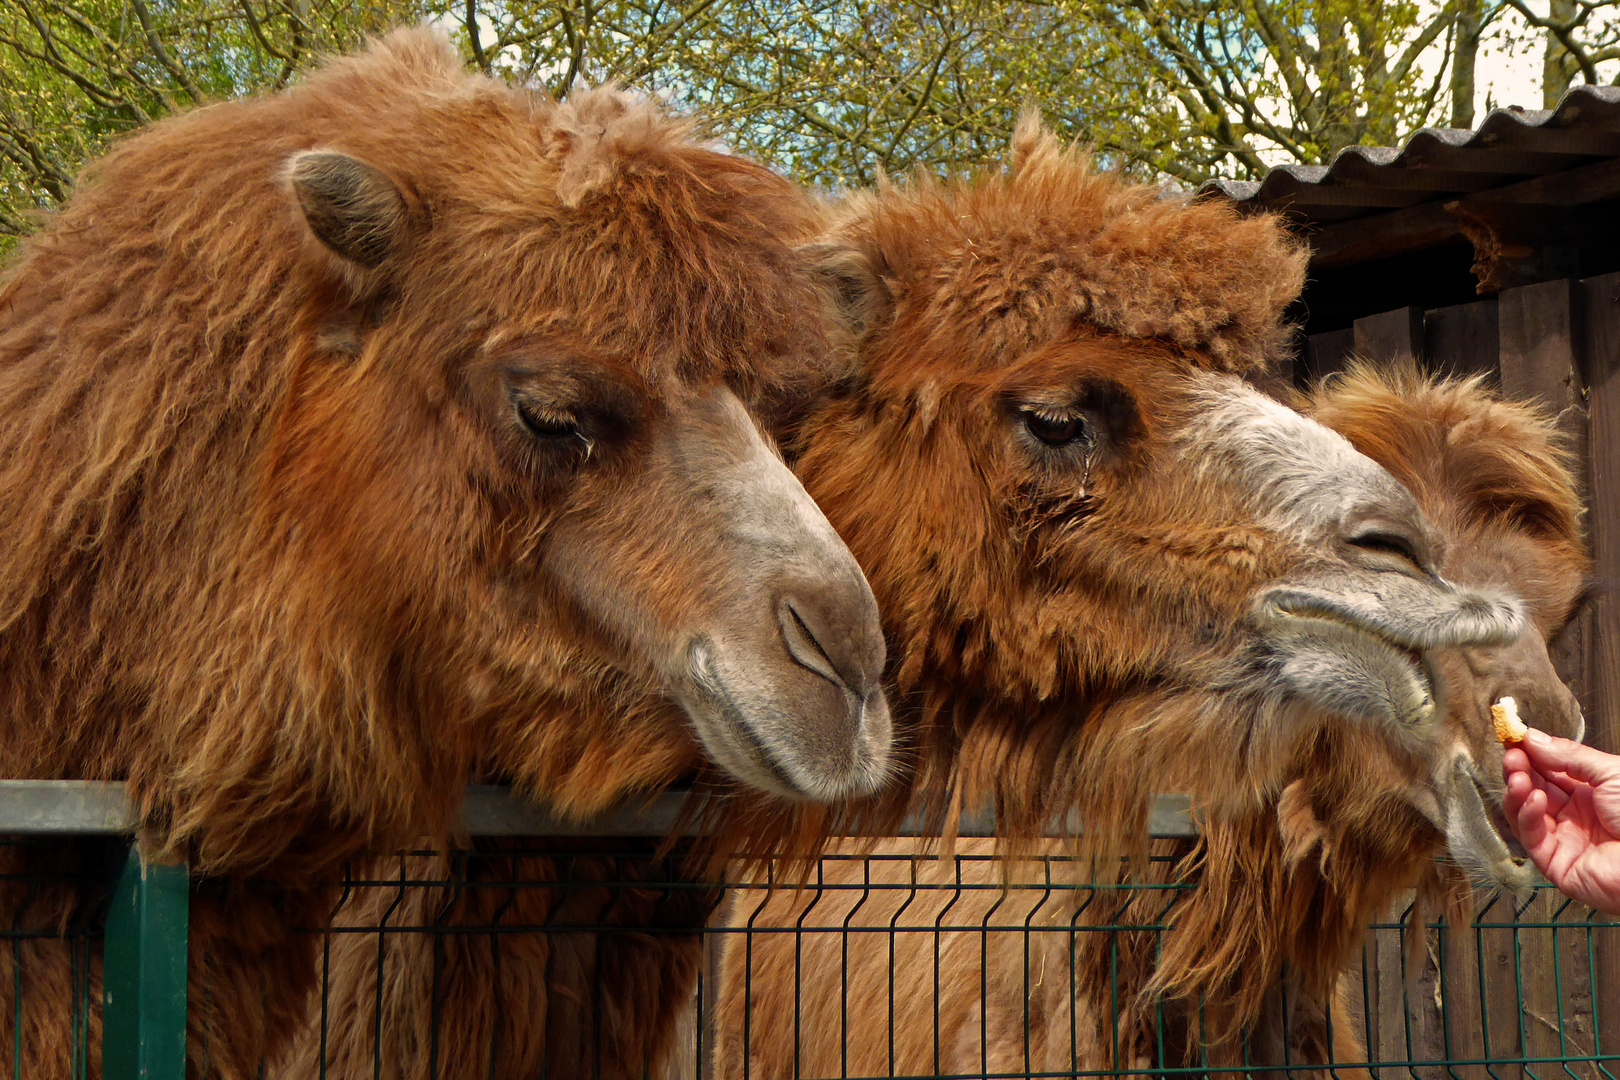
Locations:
{"points": [[1440, 164]]}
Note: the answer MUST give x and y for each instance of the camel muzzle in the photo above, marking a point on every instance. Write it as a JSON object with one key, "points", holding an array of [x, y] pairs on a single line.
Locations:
{"points": [[1358, 642]]}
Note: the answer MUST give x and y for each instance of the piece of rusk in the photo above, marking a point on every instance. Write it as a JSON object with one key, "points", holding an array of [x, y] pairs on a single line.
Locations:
{"points": [[1505, 719]]}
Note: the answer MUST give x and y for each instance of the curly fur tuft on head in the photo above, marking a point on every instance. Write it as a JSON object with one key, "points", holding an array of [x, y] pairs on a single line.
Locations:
{"points": [[1051, 241], [1456, 440]]}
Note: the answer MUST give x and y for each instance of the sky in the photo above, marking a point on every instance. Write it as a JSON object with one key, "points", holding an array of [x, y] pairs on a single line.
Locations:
{"points": [[1508, 70], [1505, 73]]}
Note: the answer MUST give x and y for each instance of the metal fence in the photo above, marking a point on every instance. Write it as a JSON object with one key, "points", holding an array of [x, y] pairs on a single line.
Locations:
{"points": [[888, 962]]}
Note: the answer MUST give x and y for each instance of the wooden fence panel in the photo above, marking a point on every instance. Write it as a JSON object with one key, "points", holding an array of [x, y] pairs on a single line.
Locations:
{"points": [[1394, 335], [1326, 353], [1542, 347], [1462, 340], [1557, 342]]}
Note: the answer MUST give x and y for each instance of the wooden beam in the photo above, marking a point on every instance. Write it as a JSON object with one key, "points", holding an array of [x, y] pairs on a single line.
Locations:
{"points": [[1377, 236], [1381, 236]]}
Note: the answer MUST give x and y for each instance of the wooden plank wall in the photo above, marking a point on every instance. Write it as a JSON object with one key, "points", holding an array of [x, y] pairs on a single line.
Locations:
{"points": [[1486, 991]]}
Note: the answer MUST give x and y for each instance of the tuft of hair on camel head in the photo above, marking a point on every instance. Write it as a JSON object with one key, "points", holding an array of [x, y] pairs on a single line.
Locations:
{"points": [[410, 402], [1049, 365]]}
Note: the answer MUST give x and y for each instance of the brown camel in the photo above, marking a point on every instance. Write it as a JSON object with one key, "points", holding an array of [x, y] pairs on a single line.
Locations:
{"points": [[1246, 929], [391, 432], [1066, 500]]}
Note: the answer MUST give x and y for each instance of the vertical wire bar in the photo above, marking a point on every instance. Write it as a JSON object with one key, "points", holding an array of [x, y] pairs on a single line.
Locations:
{"points": [[1401, 930], [1290, 1003], [1074, 925], [76, 1022], [798, 968], [615, 894], [16, 1008], [1597, 1003], [1443, 925], [748, 966], [326, 960], [454, 862], [1332, 1053], [1372, 1052], [1158, 952], [894, 923], [382, 954], [1558, 989], [939, 922], [1074, 980], [1518, 985], [843, 982], [697, 1006], [496, 948], [1029, 920], [1484, 1002], [1113, 986], [984, 978]]}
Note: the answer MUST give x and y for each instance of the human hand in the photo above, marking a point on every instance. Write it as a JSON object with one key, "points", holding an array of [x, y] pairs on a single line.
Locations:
{"points": [[1563, 803]]}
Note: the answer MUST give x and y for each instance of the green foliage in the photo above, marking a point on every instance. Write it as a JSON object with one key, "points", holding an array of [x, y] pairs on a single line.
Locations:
{"points": [[1297, 78], [834, 91], [76, 73]]}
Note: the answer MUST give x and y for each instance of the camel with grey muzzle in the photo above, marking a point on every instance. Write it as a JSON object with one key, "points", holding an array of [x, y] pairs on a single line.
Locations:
{"points": [[1349, 750]]}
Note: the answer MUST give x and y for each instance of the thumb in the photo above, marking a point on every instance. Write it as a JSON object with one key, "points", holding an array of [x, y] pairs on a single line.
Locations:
{"points": [[1579, 762]]}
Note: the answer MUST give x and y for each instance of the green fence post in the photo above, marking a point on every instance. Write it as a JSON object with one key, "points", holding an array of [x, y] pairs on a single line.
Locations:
{"points": [[143, 1019]]}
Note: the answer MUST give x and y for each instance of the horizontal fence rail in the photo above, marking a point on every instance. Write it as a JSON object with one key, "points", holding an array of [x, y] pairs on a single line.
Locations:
{"points": [[99, 807]]}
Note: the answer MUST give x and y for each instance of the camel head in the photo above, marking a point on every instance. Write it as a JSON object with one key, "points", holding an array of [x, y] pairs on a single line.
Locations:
{"points": [[1354, 814], [402, 429], [1062, 490], [598, 324], [1493, 477]]}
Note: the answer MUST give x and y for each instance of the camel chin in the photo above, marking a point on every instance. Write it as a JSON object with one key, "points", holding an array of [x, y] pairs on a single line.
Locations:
{"points": [[1474, 832]]}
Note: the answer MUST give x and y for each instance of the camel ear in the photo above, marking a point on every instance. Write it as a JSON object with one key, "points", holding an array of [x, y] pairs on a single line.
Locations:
{"points": [[351, 207], [1297, 823], [855, 291]]}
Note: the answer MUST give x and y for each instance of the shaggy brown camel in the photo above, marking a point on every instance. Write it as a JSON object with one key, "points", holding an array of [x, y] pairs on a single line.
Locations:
{"points": [[1064, 497], [1246, 929], [386, 433]]}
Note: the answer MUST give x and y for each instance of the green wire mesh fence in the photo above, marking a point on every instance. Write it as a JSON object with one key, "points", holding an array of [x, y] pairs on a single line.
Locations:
{"points": [[566, 956]]}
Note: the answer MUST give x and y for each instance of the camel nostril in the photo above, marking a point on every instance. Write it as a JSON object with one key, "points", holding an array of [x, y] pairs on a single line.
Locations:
{"points": [[816, 647]]}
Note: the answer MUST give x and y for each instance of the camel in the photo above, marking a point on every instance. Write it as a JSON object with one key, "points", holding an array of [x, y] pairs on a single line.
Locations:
{"points": [[395, 431], [1245, 931], [1066, 500]]}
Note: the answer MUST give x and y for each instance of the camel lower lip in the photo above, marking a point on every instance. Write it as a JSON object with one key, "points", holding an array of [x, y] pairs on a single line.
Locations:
{"points": [[731, 714]]}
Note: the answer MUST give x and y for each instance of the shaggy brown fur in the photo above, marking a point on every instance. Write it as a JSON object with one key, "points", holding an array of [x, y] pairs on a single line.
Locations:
{"points": [[1044, 276], [260, 556], [1024, 588], [1280, 894]]}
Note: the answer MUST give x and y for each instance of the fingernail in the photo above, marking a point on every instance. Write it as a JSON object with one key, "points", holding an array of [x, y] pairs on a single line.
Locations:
{"points": [[1536, 736]]}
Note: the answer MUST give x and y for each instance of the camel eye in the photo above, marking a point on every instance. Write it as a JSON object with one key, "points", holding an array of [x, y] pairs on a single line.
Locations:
{"points": [[1386, 543], [544, 423], [1055, 429]]}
